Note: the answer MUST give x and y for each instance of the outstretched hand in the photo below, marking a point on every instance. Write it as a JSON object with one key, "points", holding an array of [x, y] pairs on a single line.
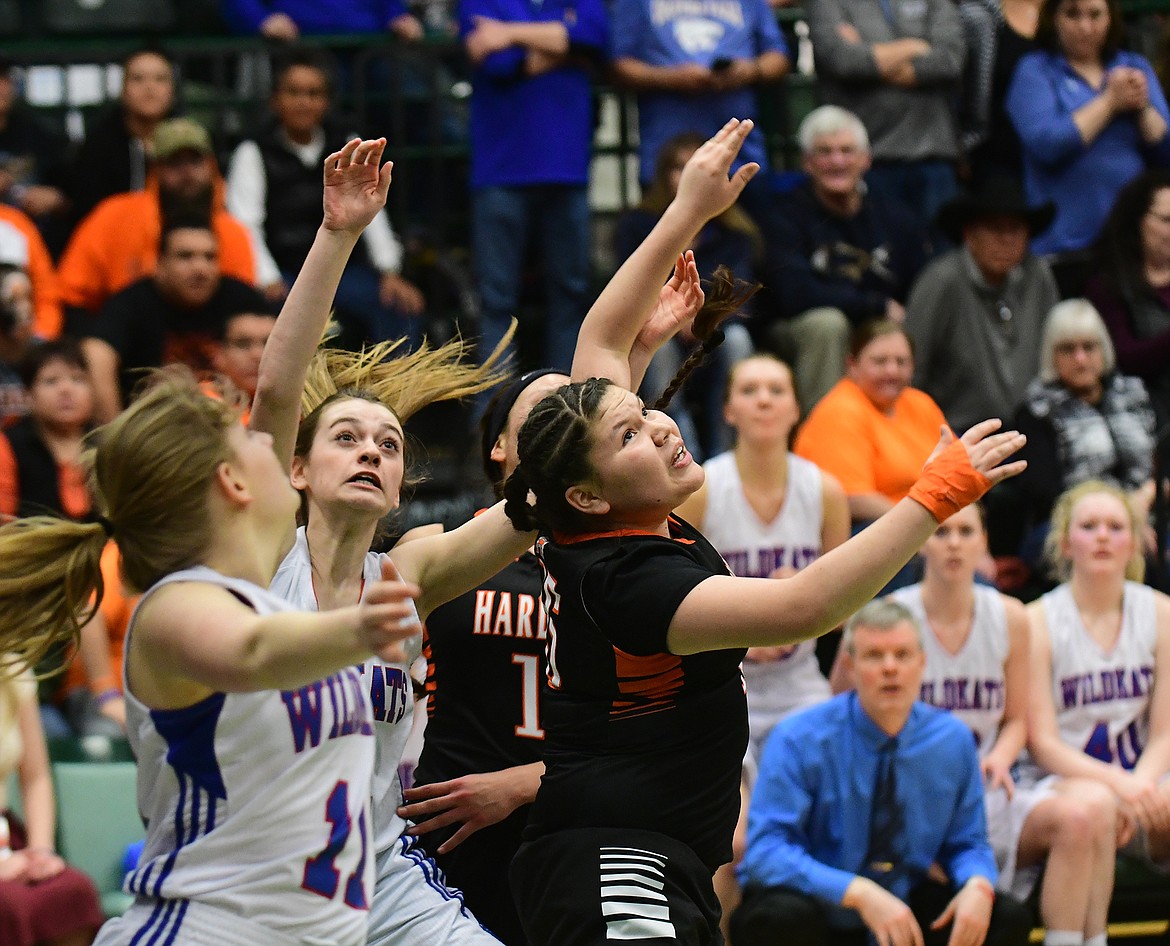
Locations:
{"points": [[959, 472], [356, 185], [678, 303], [387, 617], [704, 189]]}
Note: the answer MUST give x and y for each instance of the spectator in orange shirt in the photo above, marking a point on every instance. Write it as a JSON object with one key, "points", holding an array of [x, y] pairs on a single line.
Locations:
{"points": [[22, 245], [872, 431], [117, 244], [93, 700]]}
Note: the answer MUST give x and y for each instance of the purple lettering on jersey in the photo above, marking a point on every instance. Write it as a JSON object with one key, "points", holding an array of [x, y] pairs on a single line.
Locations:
{"points": [[389, 692], [356, 719], [304, 714], [769, 559], [963, 693], [1105, 686]]}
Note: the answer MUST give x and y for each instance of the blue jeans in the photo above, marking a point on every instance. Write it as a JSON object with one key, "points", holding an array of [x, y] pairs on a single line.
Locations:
{"points": [[504, 222], [923, 186]]}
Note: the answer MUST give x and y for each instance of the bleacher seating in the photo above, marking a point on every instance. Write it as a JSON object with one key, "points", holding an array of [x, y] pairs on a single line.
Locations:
{"points": [[97, 817]]}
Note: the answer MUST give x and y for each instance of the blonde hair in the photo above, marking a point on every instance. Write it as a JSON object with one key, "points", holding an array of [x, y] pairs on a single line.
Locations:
{"points": [[150, 470], [1061, 522], [406, 384]]}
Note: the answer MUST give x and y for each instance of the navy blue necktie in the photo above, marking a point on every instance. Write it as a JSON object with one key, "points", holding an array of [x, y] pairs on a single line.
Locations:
{"points": [[887, 821]]}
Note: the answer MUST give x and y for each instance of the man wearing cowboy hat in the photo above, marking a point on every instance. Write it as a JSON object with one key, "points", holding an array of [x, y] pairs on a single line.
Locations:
{"points": [[975, 313]]}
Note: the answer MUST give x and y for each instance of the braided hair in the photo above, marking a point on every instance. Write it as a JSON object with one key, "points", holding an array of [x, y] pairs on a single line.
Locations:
{"points": [[553, 446], [726, 295]]}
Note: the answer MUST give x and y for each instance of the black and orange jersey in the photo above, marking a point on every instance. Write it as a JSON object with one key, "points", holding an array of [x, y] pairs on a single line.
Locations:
{"points": [[636, 736], [485, 664]]}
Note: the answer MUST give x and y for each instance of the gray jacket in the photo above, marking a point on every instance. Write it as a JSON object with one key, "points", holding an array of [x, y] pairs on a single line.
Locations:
{"points": [[975, 347]]}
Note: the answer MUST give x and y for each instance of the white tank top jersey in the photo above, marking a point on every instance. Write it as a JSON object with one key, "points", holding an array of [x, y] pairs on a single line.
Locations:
{"points": [[1102, 698], [753, 548], [388, 684], [255, 803], [971, 683]]}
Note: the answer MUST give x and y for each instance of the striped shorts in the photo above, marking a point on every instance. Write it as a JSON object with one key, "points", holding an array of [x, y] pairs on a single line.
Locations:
{"points": [[592, 886]]}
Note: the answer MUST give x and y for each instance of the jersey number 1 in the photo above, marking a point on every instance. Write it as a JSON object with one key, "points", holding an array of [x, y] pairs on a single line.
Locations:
{"points": [[321, 877], [529, 727]]}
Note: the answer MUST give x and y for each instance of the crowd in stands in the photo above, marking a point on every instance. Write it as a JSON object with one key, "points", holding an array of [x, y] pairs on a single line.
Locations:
{"points": [[979, 227]]}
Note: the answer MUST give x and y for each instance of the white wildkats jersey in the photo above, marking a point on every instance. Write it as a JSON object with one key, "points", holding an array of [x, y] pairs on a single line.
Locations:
{"points": [[969, 684], [256, 804], [1102, 698], [388, 685], [753, 548]]}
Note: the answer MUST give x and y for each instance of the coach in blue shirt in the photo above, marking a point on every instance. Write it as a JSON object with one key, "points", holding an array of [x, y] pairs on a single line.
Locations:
{"points": [[857, 798]]}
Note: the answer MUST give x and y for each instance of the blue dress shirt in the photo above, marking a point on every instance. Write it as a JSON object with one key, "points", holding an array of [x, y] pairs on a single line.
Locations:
{"points": [[808, 826]]}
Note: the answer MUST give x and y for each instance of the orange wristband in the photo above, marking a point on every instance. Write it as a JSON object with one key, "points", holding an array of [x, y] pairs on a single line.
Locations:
{"points": [[949, 483]]}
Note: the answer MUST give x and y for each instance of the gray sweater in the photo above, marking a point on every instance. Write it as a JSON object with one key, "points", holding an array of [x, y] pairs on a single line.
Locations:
{"points": [[903, 124], [965, 358]]}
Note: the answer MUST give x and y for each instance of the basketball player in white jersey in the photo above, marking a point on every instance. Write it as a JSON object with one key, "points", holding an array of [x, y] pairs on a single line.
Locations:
{"points": [[1100, 689], [347, 459], [251, 729], [977, 664], [769, 513]]}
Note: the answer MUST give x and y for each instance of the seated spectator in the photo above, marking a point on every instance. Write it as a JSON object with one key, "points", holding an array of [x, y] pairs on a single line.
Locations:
{"points": [[840, 256], [1084, 420], [118, 242], [897, 65], [32, 159], [849, 816], [21, 245], [976, 312], [977, 667], [690, 75], [1131, 288], [16, 333], [873, 431], [115, 157], [999, 35], [730, 240], [237, 357], [1090, 117], [43, 901], [40, 456], [1100, 703], [274, 189], [177, 315], [93, 702]]}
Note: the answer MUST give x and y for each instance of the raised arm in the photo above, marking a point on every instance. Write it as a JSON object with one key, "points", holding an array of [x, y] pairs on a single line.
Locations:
{"points": [[356, 184], [725, 611], [611, 328]]}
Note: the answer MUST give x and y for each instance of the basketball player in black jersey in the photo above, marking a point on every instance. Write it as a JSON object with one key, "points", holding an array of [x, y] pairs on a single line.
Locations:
{"points": [[644, 711], [481, 759]]}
